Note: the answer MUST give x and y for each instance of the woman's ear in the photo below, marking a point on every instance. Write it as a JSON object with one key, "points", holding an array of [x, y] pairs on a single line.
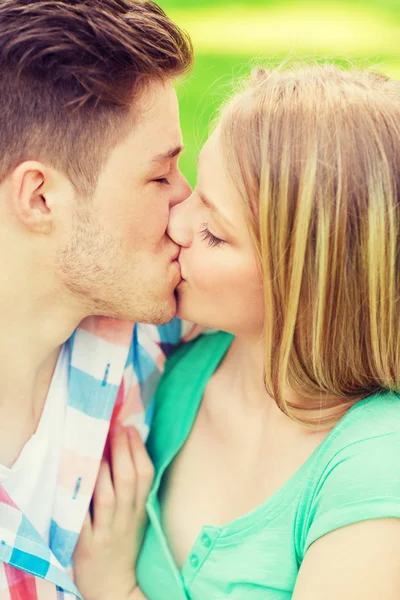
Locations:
{"points": [[29, 182]]}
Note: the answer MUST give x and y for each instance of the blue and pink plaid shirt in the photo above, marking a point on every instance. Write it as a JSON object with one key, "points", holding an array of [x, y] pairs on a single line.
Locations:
{"points": [[114, 369]]}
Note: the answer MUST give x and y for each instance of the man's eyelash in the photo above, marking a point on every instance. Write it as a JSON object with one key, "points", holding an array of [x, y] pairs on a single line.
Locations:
{"points": [[162, 181], [207, 236]]}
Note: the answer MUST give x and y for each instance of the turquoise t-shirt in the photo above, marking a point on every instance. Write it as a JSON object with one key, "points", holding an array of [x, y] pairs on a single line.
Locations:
{"points": [[353, 475]]}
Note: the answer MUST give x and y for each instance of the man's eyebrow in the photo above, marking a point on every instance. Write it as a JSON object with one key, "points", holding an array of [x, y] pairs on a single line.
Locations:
{"points": [[167, 155], [210, 205]]}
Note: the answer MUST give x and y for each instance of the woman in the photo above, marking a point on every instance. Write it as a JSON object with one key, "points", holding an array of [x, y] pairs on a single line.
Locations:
{"points": [[277, 451]]}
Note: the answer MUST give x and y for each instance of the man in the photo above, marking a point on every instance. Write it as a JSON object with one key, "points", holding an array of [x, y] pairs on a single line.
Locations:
{"points": [[89, 146]]}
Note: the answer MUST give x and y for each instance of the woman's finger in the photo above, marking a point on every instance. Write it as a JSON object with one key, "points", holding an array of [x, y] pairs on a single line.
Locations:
{"points": [[87, 525], [144, 469], [124, 477], [85, 537], [103, 500]]}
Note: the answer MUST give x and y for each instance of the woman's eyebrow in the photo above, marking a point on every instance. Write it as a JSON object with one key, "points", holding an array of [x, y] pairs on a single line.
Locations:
{"points": [[211, 206]]}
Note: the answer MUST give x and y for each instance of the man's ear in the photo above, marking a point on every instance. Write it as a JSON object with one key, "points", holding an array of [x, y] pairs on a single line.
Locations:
{"points": [[30, 182]]}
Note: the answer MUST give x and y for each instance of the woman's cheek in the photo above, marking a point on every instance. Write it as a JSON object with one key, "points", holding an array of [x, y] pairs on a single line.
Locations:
{"points": [[218, 274], [204, 268]]}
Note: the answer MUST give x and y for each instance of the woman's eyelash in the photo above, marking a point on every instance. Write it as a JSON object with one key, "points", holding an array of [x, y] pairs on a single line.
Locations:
{"points": [[207, 236]]}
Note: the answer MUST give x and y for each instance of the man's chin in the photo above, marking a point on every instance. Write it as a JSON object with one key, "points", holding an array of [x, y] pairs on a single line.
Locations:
{"points": [[180, 307], [155, 312], [161, 313]]}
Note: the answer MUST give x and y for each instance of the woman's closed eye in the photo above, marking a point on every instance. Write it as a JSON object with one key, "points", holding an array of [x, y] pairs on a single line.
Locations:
{"points": [[207, 236]]}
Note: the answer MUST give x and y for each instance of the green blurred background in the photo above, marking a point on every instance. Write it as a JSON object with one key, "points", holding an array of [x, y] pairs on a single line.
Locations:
{"points": [[230, 37]]}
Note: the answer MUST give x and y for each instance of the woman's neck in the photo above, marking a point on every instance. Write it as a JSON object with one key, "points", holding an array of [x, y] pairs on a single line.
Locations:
{"points": [[243, 372]]}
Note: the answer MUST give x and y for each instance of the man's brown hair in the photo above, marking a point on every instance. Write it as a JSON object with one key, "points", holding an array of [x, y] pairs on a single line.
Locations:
{"points": [[69, 72]]}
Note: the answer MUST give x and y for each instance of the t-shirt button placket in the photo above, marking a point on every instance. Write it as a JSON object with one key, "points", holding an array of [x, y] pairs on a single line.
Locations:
{"points": [[206, 540], [194, 561], [201, 550]]}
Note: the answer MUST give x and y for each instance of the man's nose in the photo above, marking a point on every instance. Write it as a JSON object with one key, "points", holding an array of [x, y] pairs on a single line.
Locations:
{"points": [[182, 191], [179, 225]]}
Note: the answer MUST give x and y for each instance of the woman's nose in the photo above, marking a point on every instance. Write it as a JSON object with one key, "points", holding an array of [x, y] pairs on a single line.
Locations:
{"points": [[179, 226]]}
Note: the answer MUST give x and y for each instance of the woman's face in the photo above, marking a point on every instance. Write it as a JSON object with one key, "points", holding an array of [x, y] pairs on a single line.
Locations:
{"points": [[221, 285]]}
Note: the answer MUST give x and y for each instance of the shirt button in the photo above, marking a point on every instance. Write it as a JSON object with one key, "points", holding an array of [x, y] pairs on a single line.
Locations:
{"points": [[206, 541], [194, 561]]}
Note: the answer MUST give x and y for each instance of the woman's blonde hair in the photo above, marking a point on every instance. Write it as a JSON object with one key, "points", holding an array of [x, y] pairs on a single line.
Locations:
{"points": [[315, 154]]}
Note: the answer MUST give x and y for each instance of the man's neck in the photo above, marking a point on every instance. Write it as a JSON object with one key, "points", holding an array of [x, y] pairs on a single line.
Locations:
{"points": [[31, 336]]}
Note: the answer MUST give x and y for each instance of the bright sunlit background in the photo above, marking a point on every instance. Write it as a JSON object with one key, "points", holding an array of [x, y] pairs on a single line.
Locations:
{"points": [[230, 37]]}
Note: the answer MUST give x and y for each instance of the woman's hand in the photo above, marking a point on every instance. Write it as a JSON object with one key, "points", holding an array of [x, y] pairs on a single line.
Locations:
{"points": [[107, 549]]}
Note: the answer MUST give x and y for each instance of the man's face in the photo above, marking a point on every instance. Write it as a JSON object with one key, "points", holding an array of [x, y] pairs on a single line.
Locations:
{"points": [[119, 259]]}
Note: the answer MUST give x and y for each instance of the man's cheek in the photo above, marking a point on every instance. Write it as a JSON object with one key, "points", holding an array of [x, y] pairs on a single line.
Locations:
{"points": [[163, 223]]}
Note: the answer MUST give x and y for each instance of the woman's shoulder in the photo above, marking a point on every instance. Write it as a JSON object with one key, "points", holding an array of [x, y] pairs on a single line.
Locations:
{"points": [[187, 372], [366, 435], [199, 355], [356, 472], [373, 417], [180, 390]]}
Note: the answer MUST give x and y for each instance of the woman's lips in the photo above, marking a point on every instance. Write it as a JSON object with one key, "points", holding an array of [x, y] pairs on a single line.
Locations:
{"points": [[176, 264], [182, 275]]}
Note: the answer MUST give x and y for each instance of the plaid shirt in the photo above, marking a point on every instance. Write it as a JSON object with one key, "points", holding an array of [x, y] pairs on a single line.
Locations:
{"points": [[113, 371]]}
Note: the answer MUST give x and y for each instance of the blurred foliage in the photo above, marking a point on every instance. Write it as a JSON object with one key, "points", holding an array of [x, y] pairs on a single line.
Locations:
{"points": [[231, 37], [168, 5]]}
